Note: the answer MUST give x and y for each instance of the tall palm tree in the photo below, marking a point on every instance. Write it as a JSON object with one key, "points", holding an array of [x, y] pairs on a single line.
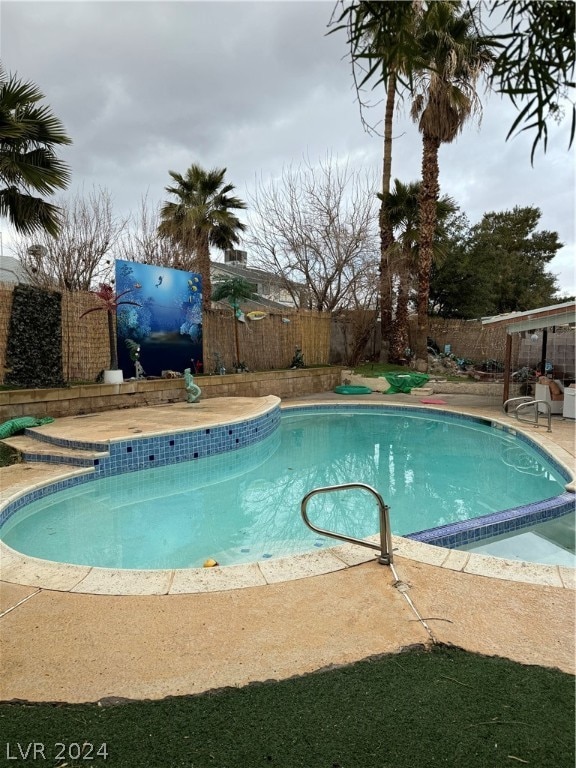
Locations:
{"points": [[28, 164], [201, 217], [382, 41], [403, 210], [445, 96]]}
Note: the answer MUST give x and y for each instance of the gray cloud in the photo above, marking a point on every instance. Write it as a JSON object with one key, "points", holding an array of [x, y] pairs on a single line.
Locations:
{"points": [[144, 87]]}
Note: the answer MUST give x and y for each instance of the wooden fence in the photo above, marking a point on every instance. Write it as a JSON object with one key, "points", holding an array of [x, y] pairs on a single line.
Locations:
{"points": [[268, 343], [264, 344]]}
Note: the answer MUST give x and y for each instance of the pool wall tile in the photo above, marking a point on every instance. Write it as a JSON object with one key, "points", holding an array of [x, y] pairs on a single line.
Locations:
{"points": [[134, 454], [485, 527]]}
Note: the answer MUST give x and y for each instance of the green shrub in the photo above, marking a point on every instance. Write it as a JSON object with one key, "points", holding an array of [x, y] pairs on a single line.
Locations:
{"points": [[34, 348]]}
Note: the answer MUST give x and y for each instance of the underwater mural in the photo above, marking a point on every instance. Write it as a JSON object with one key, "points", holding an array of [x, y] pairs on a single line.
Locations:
{"points": [[166, 324]]}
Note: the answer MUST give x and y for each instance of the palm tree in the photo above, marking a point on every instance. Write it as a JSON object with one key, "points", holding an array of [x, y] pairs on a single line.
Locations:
{"points": [[401, 205], [28, 165], [201, 217], [383, 43], [235, 290], [403, 213], [453, 58]]}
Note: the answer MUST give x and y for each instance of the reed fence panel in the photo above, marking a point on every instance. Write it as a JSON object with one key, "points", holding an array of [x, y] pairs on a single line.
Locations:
{"points": [[264, 344]]}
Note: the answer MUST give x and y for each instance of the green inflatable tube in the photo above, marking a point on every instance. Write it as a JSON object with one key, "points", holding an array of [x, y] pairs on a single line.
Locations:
{"points": [[352, 389], [15, 426]]}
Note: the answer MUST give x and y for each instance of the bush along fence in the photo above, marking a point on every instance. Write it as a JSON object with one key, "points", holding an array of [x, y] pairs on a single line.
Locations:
{"points": [[33, 349], [72, 348]]}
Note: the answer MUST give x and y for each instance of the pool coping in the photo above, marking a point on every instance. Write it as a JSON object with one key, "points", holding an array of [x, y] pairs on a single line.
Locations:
{"points": [[43, 574]]}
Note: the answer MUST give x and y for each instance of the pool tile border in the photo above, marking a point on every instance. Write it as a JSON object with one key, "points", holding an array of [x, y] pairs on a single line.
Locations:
{"points": [[138, 453], [486, 527]]}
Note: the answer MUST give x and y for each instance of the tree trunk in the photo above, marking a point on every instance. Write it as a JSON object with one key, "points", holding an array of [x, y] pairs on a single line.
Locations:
{"points": [[112, 342], [428, 199], [399, 340], [386, 232], [203, 259], [236, 340]]}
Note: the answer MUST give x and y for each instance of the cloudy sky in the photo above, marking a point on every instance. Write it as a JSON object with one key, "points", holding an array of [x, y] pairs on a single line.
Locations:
{"points": [[144, 87]]}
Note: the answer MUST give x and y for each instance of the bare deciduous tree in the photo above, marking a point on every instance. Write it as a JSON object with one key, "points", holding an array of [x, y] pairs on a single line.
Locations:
{"points": [[141, 241], [77, 258], [317, 226]]}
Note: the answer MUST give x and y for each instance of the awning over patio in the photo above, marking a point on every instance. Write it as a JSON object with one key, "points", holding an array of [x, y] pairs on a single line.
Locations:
{"points": [[531, 320]]}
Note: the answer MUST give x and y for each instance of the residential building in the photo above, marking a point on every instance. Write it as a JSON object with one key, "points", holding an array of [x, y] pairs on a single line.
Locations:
{"points": [[271, 289]]}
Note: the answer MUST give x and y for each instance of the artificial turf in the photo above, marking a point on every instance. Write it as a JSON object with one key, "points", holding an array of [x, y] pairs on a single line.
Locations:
{"points": [[439, 707]]}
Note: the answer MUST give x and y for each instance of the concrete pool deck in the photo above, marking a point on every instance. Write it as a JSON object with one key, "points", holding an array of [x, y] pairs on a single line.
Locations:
{"points": [[73, 646]]}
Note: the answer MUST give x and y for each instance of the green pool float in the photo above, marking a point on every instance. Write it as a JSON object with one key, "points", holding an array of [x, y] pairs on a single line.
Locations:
{"points": [[352, 389], [15, 426]]}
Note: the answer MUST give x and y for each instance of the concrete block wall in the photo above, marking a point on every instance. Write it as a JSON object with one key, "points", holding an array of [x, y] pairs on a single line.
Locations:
{"points": [[91, 398]]}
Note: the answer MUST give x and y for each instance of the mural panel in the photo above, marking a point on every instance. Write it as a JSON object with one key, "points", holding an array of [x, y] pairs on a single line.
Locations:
{"points": [[166, 324]]}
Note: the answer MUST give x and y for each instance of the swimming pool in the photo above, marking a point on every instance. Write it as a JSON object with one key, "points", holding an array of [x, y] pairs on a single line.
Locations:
{"points": [[443, 476]]}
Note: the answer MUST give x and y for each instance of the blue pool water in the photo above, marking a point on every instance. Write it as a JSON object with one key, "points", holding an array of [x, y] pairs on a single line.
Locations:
{"points": [[244, 505]]}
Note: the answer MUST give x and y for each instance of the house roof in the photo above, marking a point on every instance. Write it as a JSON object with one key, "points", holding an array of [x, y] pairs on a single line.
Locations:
{"points": [[543, 317], [247, 305], [250, 273], [12, 271]]}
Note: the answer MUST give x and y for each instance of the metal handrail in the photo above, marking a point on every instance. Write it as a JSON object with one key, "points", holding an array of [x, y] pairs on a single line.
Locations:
{"points": [[528, 401], [524, 398], [385, 545]]}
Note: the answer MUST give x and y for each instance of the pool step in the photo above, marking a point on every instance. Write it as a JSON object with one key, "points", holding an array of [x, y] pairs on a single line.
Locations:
{"points": [[32, 450], [527, 545]]}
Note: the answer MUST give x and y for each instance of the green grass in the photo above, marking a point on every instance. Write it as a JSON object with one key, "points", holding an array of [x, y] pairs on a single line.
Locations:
{"points": [[444, 707], [379, 369]]}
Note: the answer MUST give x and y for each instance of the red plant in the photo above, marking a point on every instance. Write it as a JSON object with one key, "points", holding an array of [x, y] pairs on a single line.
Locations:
{"points": [[110, 303]]}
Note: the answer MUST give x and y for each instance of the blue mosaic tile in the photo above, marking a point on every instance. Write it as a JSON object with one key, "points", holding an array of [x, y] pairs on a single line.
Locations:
{"points": [[478, 529], [64, 443], [141, 453]]}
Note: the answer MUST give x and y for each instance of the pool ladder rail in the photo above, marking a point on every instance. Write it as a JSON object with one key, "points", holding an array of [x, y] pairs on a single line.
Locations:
{"points": [[525, 402], [385, 546]]}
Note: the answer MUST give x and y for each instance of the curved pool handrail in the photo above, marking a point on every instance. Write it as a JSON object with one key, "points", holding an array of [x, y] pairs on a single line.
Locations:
{"points": [[385, 545], [528, 401], [523, 398]]}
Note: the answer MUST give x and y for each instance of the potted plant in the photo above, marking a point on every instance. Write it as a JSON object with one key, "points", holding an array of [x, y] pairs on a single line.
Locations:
{"points": [[109, 302]]}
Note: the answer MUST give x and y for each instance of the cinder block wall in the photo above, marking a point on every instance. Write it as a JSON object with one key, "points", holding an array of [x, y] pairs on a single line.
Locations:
{"points": [[92, 398]]}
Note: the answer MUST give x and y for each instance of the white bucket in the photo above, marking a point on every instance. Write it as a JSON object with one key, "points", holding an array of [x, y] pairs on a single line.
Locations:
{"points": [[113, 377]]}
